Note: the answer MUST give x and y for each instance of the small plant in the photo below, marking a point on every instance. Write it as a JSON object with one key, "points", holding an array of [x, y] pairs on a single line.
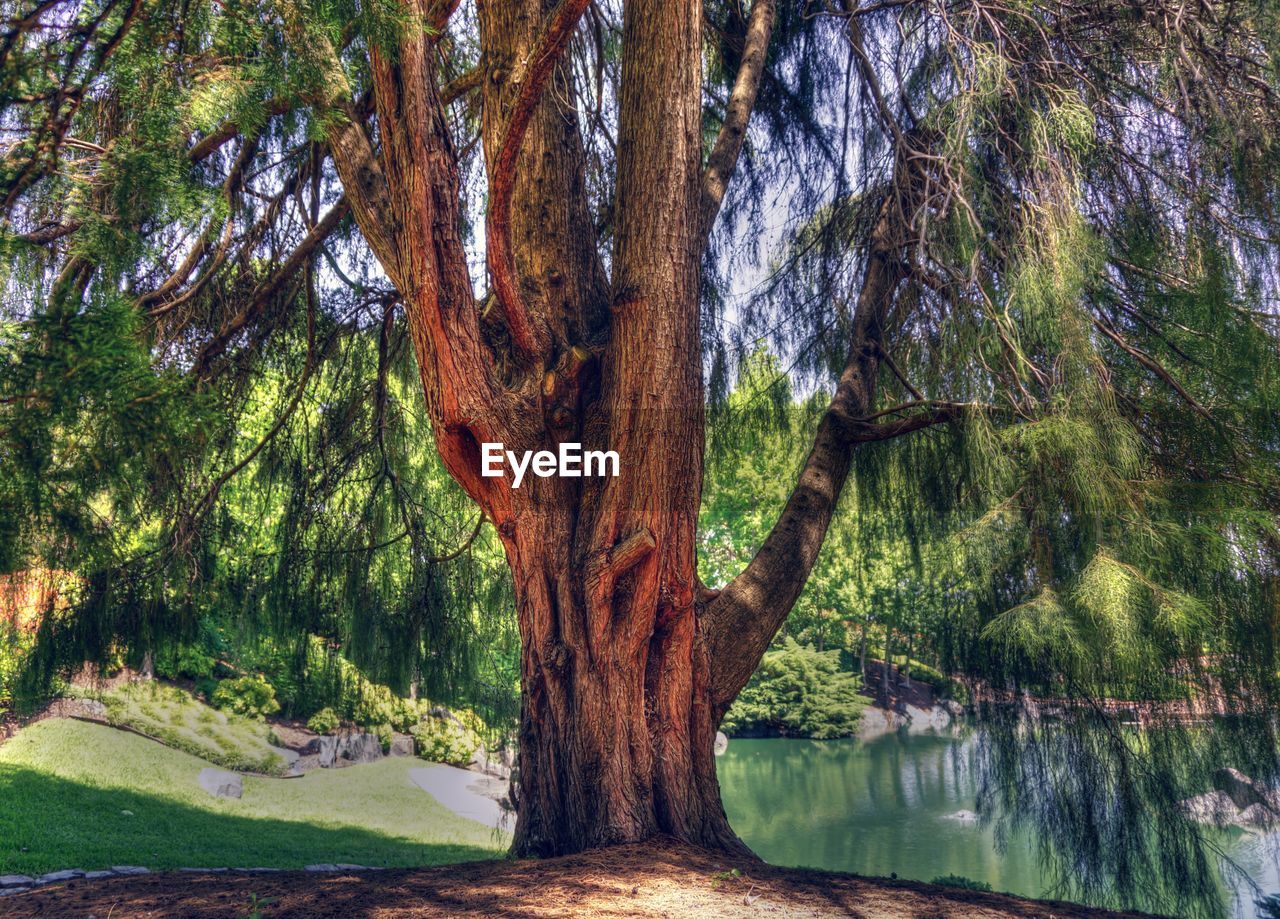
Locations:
{"points": [[721, 877], [251, 696], [257, 904], [324, 721], [964, 883]]}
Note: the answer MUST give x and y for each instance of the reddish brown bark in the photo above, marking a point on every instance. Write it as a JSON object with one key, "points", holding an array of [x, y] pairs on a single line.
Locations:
{"points": [[625, 674]]}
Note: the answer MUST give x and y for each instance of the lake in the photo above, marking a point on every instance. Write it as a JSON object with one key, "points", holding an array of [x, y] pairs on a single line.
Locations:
{"points": [[899, 803]]}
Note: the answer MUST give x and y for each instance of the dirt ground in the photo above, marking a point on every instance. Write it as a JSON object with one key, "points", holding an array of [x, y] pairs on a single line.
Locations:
{"points": [[653, 880]]}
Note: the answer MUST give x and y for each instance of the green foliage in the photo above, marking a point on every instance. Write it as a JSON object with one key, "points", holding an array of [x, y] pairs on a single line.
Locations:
{"points": [[324, 721], [170, 715], [185, 660], [251, 696], [962, 882], [798, 692], [446, 737]]}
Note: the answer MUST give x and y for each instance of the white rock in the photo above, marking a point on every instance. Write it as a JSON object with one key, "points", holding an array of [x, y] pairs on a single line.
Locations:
{"points": [[1214, 807], [221, 784], [130, 869], [94, 875], [16, 880], [722, 743]]}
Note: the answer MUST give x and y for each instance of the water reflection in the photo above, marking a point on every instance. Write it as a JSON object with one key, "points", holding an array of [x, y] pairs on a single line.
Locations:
{"points": [[900, 803]]}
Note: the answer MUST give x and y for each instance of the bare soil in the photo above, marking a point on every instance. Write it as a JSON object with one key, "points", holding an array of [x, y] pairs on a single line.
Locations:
{"points": [[659, 879]]}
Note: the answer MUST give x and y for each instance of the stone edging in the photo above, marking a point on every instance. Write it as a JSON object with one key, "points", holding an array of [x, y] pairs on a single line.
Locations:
{"points": [[19, 883]]}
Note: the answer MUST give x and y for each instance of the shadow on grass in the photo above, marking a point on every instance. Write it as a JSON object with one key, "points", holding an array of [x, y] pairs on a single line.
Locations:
{"points": [[49, 823]]}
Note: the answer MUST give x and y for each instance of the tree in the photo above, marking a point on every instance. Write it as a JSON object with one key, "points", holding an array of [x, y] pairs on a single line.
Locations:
{"points": [[1034, 260]]}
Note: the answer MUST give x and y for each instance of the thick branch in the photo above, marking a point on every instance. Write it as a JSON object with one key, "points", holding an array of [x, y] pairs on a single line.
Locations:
{"points": [[740, 623], [525, 339], [742, 100]]}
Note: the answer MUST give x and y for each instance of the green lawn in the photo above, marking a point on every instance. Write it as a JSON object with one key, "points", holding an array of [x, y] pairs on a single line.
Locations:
{"points": [[65, 788]]}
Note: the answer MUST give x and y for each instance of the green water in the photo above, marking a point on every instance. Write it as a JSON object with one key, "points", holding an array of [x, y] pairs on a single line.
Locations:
{"points": [[892, 805]]}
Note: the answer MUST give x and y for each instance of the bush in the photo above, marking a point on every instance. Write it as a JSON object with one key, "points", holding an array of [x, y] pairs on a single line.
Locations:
{"points": [[185, 661], [798, 692], [251, 696], [324, 721], [964, 883], [446, 737]]}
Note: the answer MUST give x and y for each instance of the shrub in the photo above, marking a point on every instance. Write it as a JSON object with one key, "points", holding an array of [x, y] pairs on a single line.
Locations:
{"points": [[798, 692], [324, 721], [185, 661], [251, 696], [444, 737], [964, 883]]}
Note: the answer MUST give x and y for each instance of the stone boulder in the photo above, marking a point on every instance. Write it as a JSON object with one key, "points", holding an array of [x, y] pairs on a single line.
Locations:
{"points": [[721, 743], [1244, 791], [1214, 808], [401, 745], [952, 708], [934, 718], [1257, 817], [221, 784], [876, 721], [347, 749]]}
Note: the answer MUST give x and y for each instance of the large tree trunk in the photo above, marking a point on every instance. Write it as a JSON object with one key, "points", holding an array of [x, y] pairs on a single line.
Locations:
{"points": [[625, 674], [616, 727]]}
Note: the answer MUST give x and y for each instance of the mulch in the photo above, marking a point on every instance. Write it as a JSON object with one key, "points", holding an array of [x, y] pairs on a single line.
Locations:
{"points": [[658, 879]]}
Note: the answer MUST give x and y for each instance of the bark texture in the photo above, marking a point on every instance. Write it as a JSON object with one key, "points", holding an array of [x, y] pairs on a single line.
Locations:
{"points": [[625, 671]]}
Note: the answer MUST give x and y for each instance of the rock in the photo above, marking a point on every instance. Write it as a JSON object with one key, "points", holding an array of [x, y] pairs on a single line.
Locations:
{"points": [[321, 868], [94, 875], [953, 708], [344, 867], [221, 784], [289, 756], [479, 760], [93, 708], [130, 869], [876, 721], [507, 756], [721, 743], [54, 876], [348, 748], [1243, 790], [10, 891], [204, 870], [16, 880], [1214, 807], [1257, 817], [401, 745], [926, 719], [261, 870]]}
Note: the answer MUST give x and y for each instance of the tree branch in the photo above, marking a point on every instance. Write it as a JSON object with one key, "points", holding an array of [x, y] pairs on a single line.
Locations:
{"points": [[527, 340], [742, 101], [740, 623]]}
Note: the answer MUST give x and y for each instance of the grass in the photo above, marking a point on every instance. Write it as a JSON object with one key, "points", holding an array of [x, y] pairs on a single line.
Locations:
{"points": [[178, 720], [78, 795]]}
